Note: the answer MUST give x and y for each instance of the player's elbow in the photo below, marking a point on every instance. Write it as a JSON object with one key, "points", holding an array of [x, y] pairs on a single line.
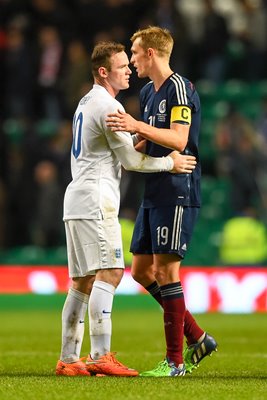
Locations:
{"points": [[137, 163], [181, 145], [178, 147], [128, 168], [131, 167]]}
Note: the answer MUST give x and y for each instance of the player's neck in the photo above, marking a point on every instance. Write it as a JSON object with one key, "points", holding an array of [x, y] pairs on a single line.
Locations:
{"points": [[104, 83], [159, 76]]}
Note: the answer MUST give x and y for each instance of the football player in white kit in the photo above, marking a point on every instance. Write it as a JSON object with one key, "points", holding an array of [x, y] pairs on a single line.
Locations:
{"points": [[91, 207]]}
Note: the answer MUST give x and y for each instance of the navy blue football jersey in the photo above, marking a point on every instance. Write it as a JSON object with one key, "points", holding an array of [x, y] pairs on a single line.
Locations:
{"points": [[165, 188]]}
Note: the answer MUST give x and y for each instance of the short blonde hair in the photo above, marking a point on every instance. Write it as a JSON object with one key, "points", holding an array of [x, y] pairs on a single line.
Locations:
{"points": [[157, 38], [102, 54]]}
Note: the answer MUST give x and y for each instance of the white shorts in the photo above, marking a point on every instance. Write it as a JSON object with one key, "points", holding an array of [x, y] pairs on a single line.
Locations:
{"points": [[93, 245]]}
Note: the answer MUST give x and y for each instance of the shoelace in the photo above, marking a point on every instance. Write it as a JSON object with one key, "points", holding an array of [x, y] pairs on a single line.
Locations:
{"points": [[108, 356], [162, 366], [111, 357]]}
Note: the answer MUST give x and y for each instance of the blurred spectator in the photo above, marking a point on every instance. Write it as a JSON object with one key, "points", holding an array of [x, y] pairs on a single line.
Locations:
{"points": [[59, 147], [3, 45], [47, 226], [254, 36], [54, 13], [213, 46], [167, 15], [192, 13], [115, 17], [75, 73], [239, 158], [49, 68], [3, 220], [247, 21], [261, 126], [244, 240], [19, 72], [20, 196]]}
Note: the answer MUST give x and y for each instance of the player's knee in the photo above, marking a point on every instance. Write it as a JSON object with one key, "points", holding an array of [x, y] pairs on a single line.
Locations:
{"points": [[141, 276], [160, 276], [137, 276], [112, 276], [83, 284]]}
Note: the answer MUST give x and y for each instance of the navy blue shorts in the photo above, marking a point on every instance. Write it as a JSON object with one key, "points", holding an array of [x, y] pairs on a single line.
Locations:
{"points": [[164, 230]]}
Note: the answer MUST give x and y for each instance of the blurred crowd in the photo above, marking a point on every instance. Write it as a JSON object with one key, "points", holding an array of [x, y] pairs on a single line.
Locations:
{"points": [[45, 48]]}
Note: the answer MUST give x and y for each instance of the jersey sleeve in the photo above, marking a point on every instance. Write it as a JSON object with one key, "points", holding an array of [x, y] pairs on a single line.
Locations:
{"points": [[183, 93], [133, 160], [178, 95], [115, 139], [180, 100]]}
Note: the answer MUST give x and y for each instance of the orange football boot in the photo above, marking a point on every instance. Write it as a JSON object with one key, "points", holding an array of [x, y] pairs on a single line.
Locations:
{"points": [[72, 369], [108, 365]]}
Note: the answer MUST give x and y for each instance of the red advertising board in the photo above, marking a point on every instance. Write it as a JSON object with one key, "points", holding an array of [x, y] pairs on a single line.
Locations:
{"points": [[229, 290]]}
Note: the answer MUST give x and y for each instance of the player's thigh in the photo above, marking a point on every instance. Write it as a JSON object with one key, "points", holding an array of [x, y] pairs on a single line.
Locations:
{"points": [[172, 228], [93, 245], [141, 240]]}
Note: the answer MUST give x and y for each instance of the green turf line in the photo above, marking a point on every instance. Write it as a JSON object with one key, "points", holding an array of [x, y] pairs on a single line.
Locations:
{"points": [[56, 301]]}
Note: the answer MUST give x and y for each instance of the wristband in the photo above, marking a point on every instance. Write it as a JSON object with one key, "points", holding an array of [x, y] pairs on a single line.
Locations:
{"points": [[170, 163]]}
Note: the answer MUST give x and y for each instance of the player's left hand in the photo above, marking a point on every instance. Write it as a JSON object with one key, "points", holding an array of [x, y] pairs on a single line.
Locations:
{"points": [[183, 163], [121, 121]]}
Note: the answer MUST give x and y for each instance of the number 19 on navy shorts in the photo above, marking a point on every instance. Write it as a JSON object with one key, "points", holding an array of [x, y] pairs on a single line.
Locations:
{"points": [[164, 230]]}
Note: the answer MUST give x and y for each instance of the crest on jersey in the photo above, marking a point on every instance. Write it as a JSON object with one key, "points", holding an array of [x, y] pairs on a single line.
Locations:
{"points": [[162, 106]]}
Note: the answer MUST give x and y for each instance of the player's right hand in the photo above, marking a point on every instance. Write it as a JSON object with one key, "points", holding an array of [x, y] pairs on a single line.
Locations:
{"points": [[183, 163]]}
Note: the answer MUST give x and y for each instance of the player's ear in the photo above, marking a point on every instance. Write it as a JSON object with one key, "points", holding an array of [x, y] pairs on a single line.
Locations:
{"points": [[103, 72], [150, 52]]}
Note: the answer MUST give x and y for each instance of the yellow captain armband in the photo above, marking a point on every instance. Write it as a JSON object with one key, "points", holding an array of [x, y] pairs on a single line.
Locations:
{"points": [[181, 114]]}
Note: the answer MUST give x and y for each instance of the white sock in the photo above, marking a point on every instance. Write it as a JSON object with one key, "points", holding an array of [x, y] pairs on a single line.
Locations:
{"points": [[100, 307], [73, 315]]}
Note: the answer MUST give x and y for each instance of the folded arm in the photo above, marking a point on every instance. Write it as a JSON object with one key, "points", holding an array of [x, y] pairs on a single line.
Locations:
{"points": [[133, 160]]}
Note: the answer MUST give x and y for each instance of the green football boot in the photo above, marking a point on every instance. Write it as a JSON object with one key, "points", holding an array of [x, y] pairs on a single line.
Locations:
{"points": [[165, 368], [194, 353]]}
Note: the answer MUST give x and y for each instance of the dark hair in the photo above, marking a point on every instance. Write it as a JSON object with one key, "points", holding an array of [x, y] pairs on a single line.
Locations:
{"points": [[102, 53]]}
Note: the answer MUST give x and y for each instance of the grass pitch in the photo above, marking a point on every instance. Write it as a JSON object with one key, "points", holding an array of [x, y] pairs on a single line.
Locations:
{"points": [[30, 345]]}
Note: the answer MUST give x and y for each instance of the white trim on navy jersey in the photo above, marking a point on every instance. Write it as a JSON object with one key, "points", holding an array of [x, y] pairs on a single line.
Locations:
{"points": [[180, 88]]}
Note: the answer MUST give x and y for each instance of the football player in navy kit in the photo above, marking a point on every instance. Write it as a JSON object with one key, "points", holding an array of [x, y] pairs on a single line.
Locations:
{"points": [[170, 109]]}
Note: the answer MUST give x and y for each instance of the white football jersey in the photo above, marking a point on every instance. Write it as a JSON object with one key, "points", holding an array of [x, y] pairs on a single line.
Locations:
{"points": [[94, 190]]}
